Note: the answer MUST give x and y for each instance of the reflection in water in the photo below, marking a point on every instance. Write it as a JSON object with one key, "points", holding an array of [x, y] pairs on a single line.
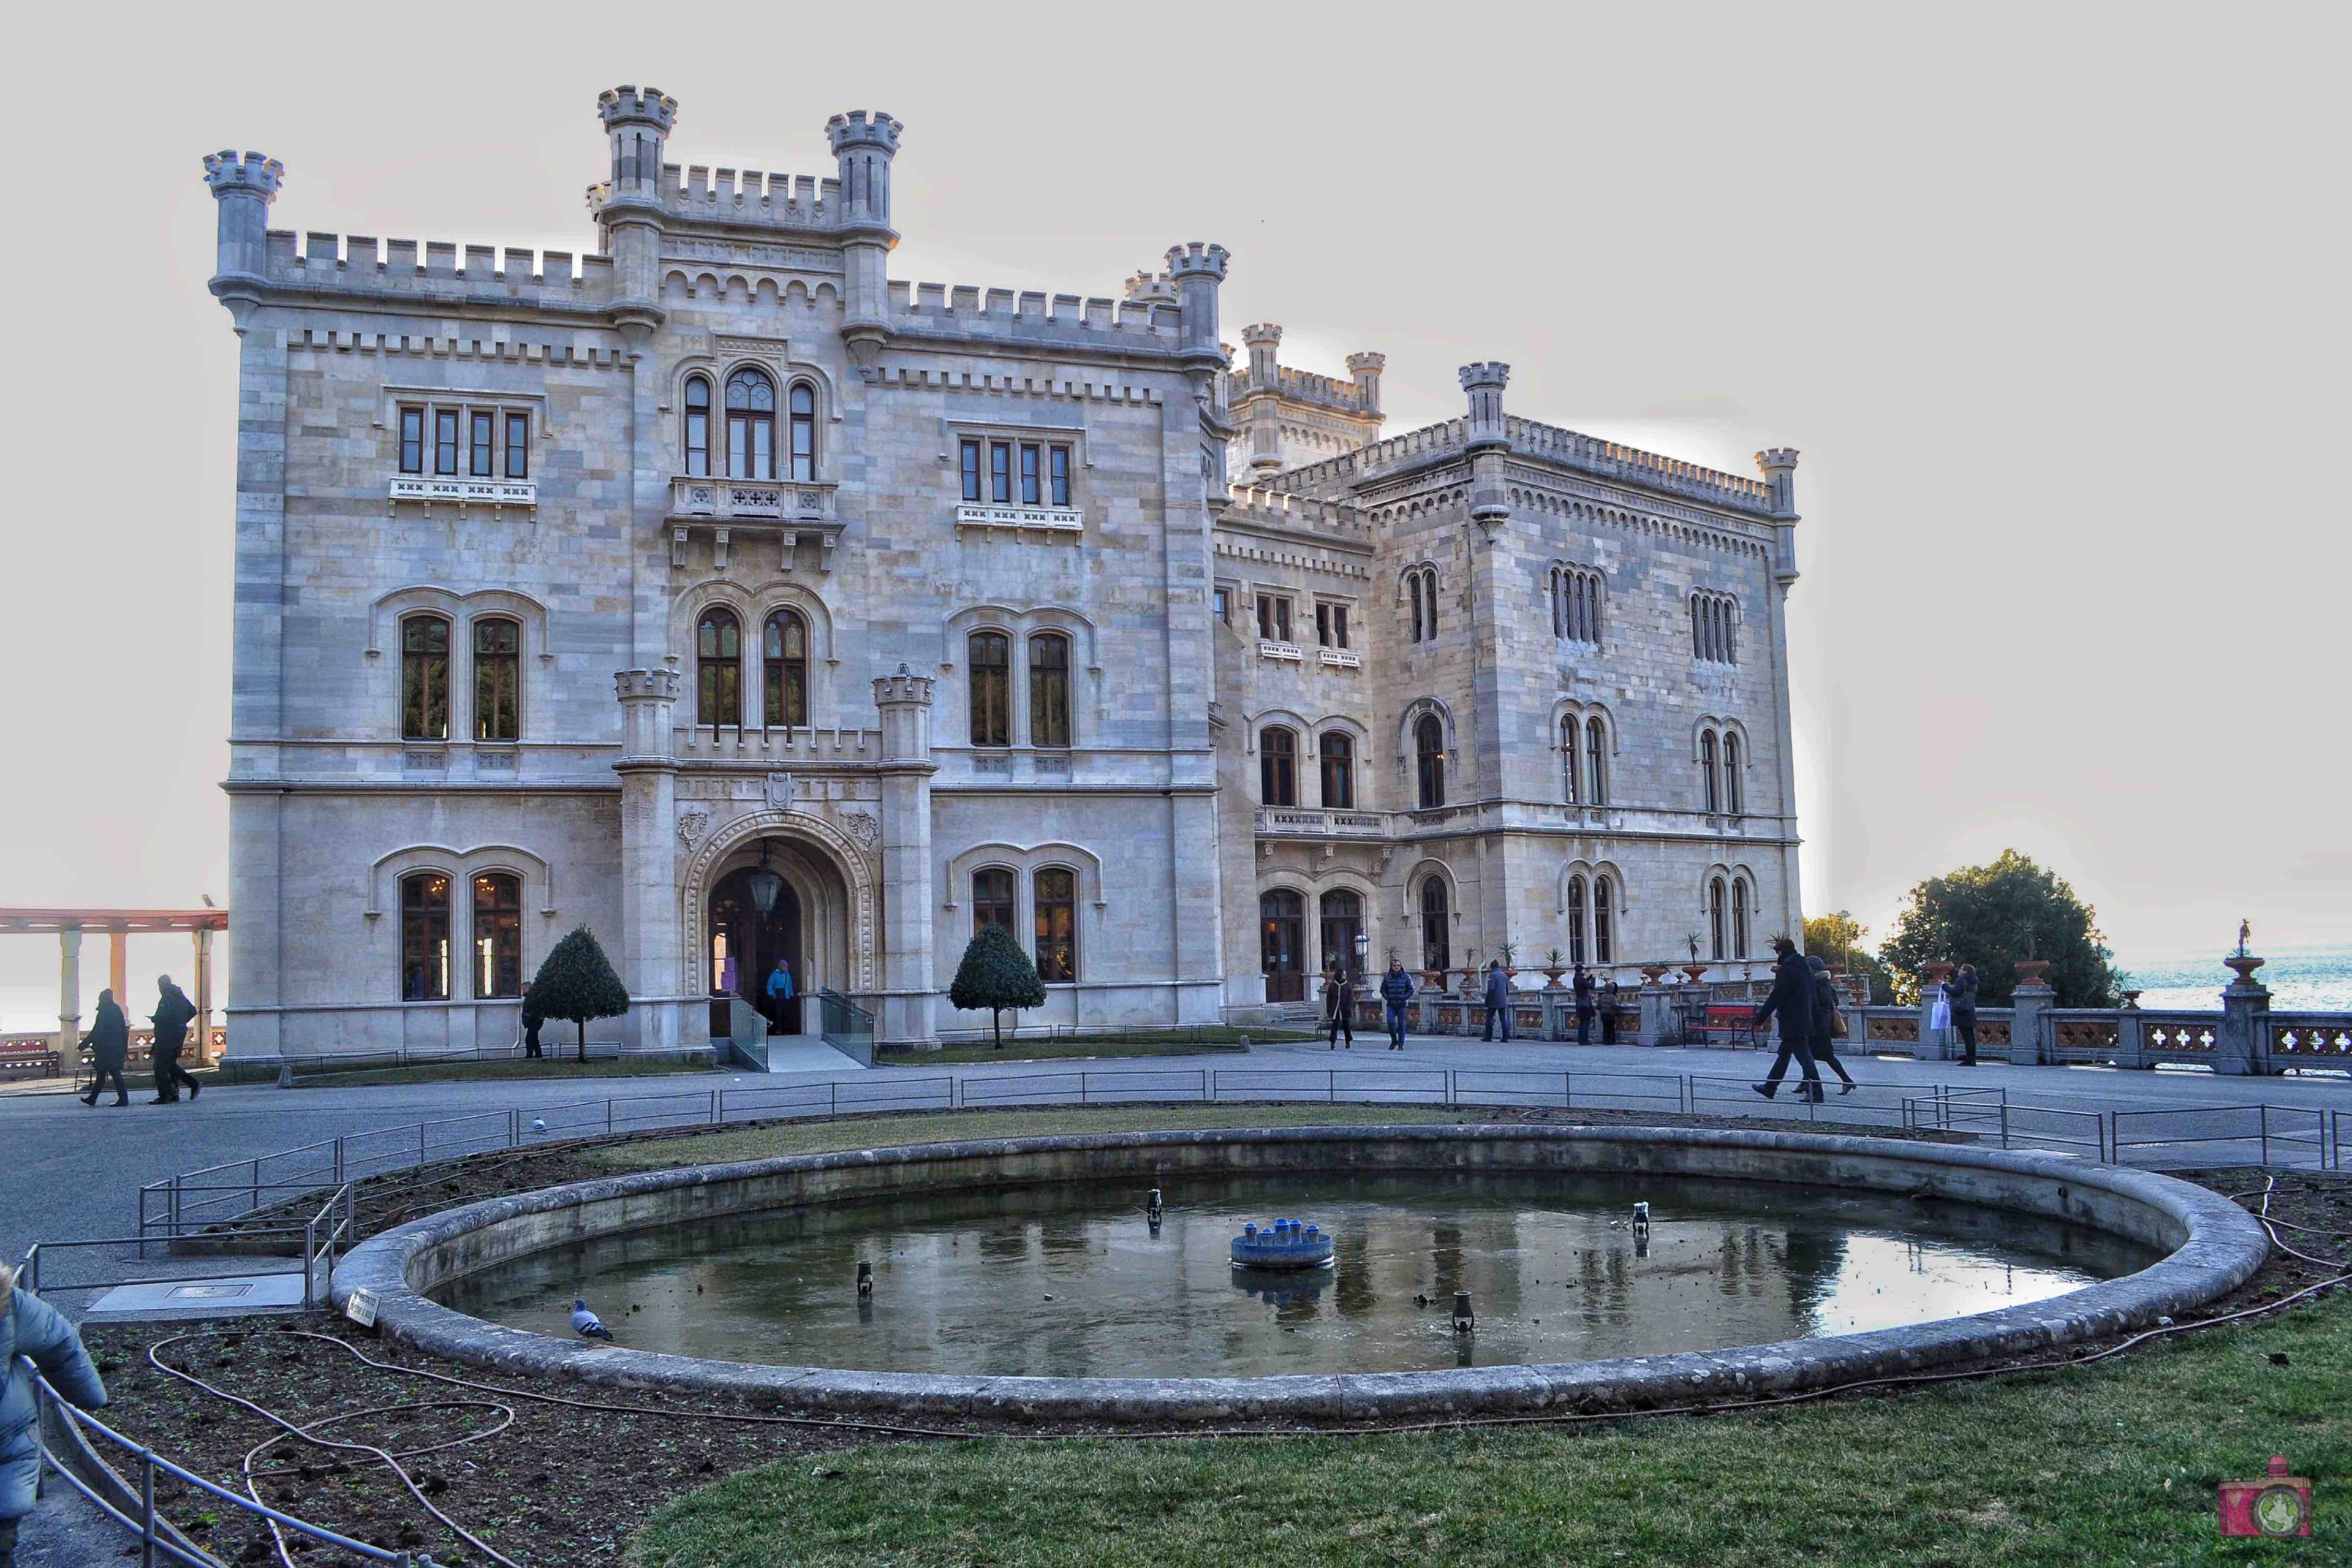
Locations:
{"points": [[1074, 1282]]}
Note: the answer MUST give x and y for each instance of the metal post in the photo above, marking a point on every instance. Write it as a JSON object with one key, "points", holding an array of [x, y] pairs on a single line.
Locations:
{"points": [[714, 1107], [1082, 1085], [420, 1145], [256, 1164], [2004, 1118], [1567, 1091], [309, 1257], [608, 1118], [2263, 1117], [1330, 1088], [146, 1508], [339, 1160], [1204, 1086]]}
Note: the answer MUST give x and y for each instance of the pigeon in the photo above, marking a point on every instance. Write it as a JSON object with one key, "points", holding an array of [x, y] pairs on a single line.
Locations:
{"points": [[539, 1124], [585, 1323]]}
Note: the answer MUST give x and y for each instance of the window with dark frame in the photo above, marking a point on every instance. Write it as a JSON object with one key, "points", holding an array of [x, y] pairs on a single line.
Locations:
{"points": [[1049, 689], [1715, 919], [1596, 756], [992, 900], [412, 441], [518, 445], [1273, 618], [1576, 920], [972, 470], [1739, 917], [424, 937], [1603, 948], [1706, 772], [497, 934], [1221, 600], [1412, 586], [425, 678], [991, 688], [1031, 493], [698, 427], [1429, 755], [497, 679], [1000, 471], [1277, 767], [784, 670], [1436, 929], [803, 433], [1058, 475], [445, 440], [750, 426], [1734, 790], [1568, 765], [718, 669], [1337, 753], [1057, 925], [481, 445]]}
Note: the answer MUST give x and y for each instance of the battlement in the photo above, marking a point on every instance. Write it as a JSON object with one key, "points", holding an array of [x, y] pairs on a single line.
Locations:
{"points": [[489, 274], [625, 105], [1195, 259], [855, 129], [228, 172], [721, 195], [1305, 386], [1278, 508], [1027, 314], [1486, 373], [1148, 286]]}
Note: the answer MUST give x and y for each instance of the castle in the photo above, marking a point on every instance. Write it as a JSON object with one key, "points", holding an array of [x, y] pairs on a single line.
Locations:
{"points": [[719, 592]]}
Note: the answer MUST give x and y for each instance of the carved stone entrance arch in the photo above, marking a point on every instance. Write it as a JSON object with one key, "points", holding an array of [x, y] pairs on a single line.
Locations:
{"points": [[832, 845]]}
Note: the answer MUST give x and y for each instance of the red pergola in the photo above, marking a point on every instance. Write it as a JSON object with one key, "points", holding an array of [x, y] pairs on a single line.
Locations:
{"points": [[119, 925]]}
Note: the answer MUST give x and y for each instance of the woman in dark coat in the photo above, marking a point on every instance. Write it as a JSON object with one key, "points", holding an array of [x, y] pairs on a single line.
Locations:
{"points": [[1581, 992], [109, 1042], [1792, 999], [1825, 1012], [1962, 995]]}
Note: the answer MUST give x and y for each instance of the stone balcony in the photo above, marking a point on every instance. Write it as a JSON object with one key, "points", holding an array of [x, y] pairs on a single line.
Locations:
{"points": [[1050, 519], [1288, 652], [793, 512], [1318, 822], [1338, 659], [428, 489]]}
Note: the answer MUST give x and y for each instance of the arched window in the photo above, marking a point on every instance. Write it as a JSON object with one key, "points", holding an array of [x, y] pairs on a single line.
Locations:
{"points": [[750, 426], [1576, 920], [1057, 925], [718, 669], [1413, 587], [1338, 757], [698, 427], [1429, 592], [1596, 757], [1714, 918], [497, 934], [1739, 917], [991, 688], [1428, 758], [1282, 944], [992, 900], [424, 937], [1706, 772], [425, 678], [1436, 929], [1714, 628], [804, 437], [497, 679], [1277, 767], [1343, 923], [784, 670], [1049, 689], [1569, 767], [1734, 788], [1604, 946]]}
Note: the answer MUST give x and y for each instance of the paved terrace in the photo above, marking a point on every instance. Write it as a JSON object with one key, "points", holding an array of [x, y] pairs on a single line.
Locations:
{"points": [[72, 1171]]}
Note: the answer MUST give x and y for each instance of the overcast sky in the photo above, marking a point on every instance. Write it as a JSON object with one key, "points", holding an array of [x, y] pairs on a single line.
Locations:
{"points": [[2050, 298]]}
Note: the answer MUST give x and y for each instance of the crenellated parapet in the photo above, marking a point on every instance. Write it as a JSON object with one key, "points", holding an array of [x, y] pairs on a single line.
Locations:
{"points": [[1027, 316], [363, 266], [242, 187]]}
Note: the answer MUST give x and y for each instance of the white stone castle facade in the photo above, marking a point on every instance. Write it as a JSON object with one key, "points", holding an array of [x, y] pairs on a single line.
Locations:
{"points": [[722, 594]]}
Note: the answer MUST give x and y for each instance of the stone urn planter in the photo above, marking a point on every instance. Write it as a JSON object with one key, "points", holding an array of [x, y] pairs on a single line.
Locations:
{"points": [[2131, 1001], [1653, 973], [1436, 979], [2245, 968], [1551, 976], [2030, 970], [1695, 971]]}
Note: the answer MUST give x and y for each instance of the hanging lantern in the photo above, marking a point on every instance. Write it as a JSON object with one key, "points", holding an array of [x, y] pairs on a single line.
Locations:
{"points": [[765, 886]]}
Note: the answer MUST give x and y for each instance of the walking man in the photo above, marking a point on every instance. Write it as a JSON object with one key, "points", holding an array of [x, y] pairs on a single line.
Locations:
{"points": [[1963, 999], [1498, 1000], [1580, 990], [1825, 1017], [109, 1042], [173, 1012], [1792, 999], [1339, 1007], [1396, 989], [531, 1021]]}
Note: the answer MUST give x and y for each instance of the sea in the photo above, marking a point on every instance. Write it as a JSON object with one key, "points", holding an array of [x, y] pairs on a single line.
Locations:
{"points": [[2301, 979]]}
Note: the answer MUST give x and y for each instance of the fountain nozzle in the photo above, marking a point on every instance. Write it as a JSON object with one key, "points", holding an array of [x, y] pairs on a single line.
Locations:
{"points": [[1641, 1218], [865, 1278], [1465, 1320]]}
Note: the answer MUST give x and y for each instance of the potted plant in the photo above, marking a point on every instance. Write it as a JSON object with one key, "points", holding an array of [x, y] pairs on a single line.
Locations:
{"points": [[1693, 968], [1554, 965], [1653, 973], [1510, 953]]}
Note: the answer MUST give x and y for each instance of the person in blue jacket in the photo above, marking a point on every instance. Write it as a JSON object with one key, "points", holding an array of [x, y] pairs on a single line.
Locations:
{"points": [[31, 1330], [780, 993], [1396, 989]]}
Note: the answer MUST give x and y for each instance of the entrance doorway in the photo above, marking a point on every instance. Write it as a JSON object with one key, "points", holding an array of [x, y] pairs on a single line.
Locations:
{"points": [[744, 942], [1282, 923], [1343, 921]]}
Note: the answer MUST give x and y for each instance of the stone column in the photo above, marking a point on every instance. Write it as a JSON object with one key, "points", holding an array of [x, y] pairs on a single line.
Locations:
{"points": [[118, 967], [203, 996], [2237, 1045], [1658, 1013], [69, 999], [659, 1018], [1931, 1048], [2031, 1001], [905, 1017]]}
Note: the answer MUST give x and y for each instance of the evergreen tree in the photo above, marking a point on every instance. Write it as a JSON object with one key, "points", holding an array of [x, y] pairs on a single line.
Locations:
{"points": [[1992, 915], [996, 974], [1838, 939], [577, 982]]}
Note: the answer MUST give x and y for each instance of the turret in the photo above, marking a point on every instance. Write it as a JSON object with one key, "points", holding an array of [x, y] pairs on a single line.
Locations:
{"points": [[637, 124], [1364, 369], [1779, 467], [865, 144], [1489, 499], [1262, 340], [1196, 269], [243, 186]]}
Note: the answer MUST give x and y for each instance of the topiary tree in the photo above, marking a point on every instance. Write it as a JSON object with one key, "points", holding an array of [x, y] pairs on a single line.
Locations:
{"points": [[577, 982], [1992, 915], [996, 974]]}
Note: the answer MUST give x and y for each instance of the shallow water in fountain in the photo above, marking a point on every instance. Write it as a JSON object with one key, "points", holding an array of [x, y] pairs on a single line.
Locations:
{"points": [[1076, 1282]]}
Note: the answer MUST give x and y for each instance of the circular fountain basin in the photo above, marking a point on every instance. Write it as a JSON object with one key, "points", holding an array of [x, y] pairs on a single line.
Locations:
{"points": [[2203, 1245]]}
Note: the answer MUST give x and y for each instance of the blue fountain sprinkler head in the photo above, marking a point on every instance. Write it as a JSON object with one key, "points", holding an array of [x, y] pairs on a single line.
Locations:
{"points": [[1641, 1216]]}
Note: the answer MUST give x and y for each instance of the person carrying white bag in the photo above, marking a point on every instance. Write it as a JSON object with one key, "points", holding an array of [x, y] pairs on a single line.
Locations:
{"points": [[1940, 1021]]}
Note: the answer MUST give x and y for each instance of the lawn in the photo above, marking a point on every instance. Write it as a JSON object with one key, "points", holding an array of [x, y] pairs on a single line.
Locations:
{"points": [[2114, 1464]]}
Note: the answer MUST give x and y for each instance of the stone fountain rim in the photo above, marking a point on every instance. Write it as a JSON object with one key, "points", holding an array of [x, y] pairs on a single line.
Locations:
{"points": [[2222, 1247]]}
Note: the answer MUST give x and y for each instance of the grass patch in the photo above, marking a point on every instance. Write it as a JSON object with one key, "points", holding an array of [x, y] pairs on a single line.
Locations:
{"points": [[1193, 1043], [2109, 1465], [955, 1126], [492, 1072]]}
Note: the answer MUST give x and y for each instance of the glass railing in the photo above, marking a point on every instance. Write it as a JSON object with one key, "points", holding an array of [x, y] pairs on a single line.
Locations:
{"points": [[847, 1027]]}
